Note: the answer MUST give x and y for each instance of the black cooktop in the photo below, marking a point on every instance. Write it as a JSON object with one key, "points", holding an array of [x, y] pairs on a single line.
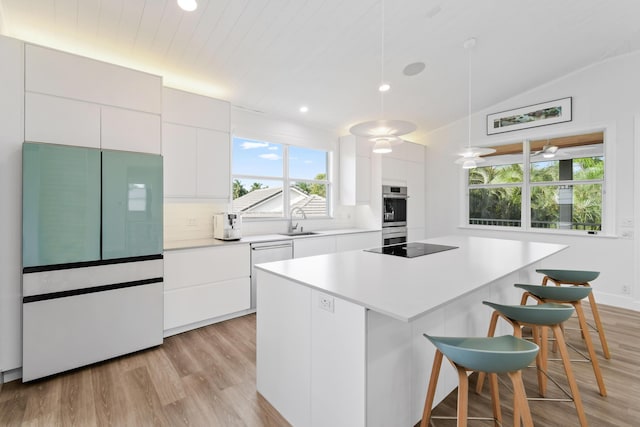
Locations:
{"points": [[411, 250]]}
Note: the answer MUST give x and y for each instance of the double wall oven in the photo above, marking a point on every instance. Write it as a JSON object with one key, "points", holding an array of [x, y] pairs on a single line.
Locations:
{"points": [[394, 214]]}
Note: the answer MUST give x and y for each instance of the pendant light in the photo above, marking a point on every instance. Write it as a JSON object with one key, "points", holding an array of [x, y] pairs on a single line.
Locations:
{"points": [[470, 156], [384, 133], [188, 5]]}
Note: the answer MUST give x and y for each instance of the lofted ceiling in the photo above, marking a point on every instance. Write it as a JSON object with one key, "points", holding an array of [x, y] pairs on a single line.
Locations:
{"points": [[273, 56]]}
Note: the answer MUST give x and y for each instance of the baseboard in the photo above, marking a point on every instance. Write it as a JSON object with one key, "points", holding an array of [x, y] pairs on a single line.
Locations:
{"points": [[621, 301], [11, 375], [207, 322]]}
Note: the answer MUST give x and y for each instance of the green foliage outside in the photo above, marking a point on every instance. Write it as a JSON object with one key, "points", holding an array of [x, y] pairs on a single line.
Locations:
{"points": [[319, 189], [503, 203]]}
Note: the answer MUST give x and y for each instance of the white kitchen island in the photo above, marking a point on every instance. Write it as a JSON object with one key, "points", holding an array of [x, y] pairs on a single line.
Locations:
{"points": [[339, 336]]}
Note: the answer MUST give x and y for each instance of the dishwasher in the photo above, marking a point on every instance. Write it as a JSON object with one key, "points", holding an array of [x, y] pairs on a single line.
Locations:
{"points": [[267, 252]]}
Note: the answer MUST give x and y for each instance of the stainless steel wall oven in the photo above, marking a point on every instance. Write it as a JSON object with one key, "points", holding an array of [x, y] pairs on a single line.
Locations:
{"points": [[394, 214]]}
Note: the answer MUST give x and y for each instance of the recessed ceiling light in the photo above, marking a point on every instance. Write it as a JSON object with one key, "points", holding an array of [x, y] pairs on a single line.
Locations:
{"points": [[304, 109], [188, 5], [414, 68], [384, 87]]}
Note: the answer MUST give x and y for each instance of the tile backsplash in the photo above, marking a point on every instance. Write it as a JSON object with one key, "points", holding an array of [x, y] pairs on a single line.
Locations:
{"points": [[186, 221]]}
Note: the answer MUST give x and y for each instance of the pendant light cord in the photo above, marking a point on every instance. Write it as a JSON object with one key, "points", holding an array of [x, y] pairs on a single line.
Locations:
{"points": [[382, 60], [469, 96]]}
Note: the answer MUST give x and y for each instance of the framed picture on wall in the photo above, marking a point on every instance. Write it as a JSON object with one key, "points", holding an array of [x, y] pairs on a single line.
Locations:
{"points": [[546, 113]]}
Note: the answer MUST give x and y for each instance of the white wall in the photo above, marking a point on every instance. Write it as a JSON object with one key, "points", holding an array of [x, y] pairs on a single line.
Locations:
{"points": [[603, 94]]}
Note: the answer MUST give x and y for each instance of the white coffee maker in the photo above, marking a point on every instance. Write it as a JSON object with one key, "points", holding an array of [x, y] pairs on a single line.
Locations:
{"points": [[227, 226]]}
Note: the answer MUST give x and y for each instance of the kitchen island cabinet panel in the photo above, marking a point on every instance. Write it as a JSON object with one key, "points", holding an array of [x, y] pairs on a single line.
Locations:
{"points": [[351, 242], [61, 121]]}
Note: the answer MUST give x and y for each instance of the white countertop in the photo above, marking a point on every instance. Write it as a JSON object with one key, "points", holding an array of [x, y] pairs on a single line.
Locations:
{"points": [[406, 288], [200, 243]]}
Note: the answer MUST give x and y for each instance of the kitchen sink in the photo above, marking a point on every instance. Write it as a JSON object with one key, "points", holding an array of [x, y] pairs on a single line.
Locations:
{"points": [[299, 233]]}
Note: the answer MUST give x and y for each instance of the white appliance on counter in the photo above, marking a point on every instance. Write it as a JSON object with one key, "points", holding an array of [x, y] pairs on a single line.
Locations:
{"points": [[267, 252], [227, 226]]}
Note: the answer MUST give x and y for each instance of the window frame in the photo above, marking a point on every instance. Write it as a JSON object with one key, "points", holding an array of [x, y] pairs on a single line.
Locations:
{"points": [[287, 180], [608, 185]]}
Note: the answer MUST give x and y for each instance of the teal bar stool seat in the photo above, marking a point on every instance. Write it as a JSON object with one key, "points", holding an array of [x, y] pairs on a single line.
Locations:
{"points": [[539, 318], [568, 295], [580, 278], [505, 354]]}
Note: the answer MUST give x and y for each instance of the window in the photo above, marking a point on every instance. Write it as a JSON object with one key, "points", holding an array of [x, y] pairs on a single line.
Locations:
{"points": [[261, 170], [553, 183]]}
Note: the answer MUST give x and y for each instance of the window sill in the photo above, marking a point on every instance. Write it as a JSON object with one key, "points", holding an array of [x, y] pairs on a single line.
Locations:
{"points": [[598, 234]]}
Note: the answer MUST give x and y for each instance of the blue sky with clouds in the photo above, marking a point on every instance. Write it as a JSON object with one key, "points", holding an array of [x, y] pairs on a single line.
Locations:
{"points": [[251, 157]]}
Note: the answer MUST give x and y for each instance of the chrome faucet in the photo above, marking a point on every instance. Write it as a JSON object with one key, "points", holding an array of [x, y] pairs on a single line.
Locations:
{"points": [[292, 227]]}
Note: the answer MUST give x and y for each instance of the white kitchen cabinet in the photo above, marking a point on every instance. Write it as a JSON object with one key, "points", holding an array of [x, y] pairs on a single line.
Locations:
{"points": [[11, 138], [129, 130], [317, 245], [61, 121], [394, 171], [213, 164], [202, 284], [416, 202], [197, 162], [66, 75], [196, 146], [355, 241], [179, 151], [355, 171], [195, 110]]}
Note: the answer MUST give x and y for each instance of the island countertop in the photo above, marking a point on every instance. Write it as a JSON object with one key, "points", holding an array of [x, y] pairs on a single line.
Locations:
{"points": [[407, 288]]}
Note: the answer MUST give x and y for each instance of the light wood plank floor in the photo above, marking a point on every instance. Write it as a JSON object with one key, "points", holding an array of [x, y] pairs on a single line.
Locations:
{"points": [[206, 377]]}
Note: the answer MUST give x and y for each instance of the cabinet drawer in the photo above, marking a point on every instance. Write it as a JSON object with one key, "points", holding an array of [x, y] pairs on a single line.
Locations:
{"points": [[190, 305], [191, 267], [65, 333]]}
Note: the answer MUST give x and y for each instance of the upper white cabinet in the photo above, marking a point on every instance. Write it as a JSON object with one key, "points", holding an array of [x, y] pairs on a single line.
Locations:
{"points": [[73, 100], [195, 110], [61, 121], [355, 171], [179, 149], [129, 130], [71, 76], [196, 146]]}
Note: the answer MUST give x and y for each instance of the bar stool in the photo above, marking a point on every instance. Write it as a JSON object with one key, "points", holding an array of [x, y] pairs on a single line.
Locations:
{"points": [[505, 354], [538, 318], [579, 278], [568, 295]]}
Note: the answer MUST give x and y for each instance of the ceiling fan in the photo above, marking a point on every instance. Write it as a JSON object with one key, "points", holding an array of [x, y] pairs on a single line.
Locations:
{"points": [[547, 151]]}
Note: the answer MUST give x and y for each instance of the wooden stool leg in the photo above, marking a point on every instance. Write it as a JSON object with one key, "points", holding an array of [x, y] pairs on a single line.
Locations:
{"points": [[463, 396], [573, 386], [520, 405], [596, 318], [539, 335], [589, 344], [495, 398], [492, 330], [431, 391]]}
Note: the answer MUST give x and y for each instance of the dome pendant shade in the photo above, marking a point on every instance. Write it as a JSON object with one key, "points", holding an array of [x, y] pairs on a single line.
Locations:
{"points": [[382, 146], [382, 128], [475, 151]]}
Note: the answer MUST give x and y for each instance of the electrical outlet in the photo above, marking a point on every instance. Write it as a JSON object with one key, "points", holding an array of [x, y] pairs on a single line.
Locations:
{"points": [[626, 290], [191, 222], [325, 302], [627, 234], [627, 222]]}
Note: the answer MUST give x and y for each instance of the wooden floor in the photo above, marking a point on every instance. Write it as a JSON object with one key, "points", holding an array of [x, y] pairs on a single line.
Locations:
{"points": [[206, 377]]}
